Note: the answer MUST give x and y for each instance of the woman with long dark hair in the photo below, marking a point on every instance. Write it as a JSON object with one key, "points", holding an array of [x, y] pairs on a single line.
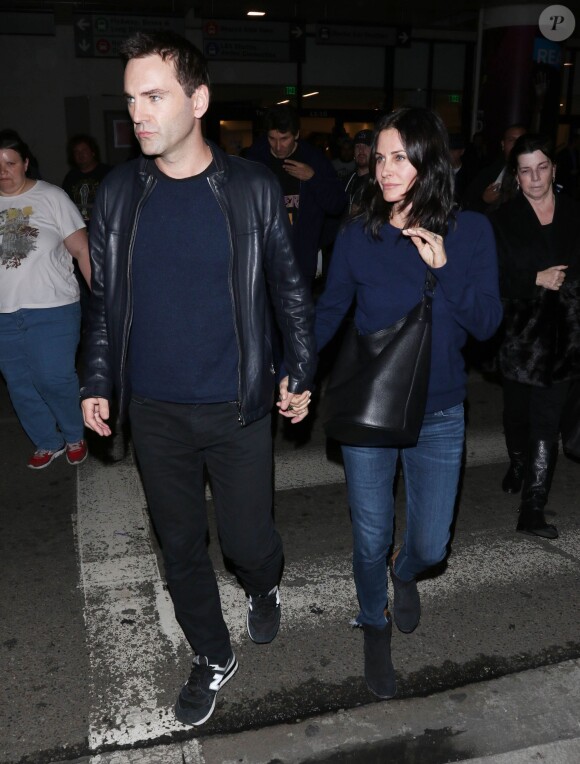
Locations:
{"points": [[539, 257], [404, 229]]}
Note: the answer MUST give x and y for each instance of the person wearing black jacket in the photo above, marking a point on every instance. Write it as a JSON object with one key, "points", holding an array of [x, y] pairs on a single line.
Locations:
{"points": [[484, 192], [310, 186], [356, 183], [87, 171], [187, 246], [539, 258]]}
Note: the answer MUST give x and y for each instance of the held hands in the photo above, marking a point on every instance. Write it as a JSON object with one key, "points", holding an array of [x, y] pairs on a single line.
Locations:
{"points": [[430, 246], [298, 169], [95, 414], [552, 278], [294, 406]]}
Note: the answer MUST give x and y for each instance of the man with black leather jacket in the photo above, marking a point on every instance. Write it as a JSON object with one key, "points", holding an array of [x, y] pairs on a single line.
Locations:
{"points": [[186, 244]]}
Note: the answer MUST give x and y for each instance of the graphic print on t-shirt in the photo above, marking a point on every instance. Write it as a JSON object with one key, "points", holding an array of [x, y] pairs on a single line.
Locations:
{"points": [[17, 236], [83, 195], [292, 202], [290, 188]]}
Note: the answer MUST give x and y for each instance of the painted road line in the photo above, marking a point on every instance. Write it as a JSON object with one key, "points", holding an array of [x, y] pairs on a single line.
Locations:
{"points": [[121, 582], [122, 587], [308, 583], [189, 752], [131, 631], [305, 467]]}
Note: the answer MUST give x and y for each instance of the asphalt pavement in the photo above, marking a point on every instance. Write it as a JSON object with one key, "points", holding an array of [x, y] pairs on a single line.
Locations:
{"points": [[92, 658]]}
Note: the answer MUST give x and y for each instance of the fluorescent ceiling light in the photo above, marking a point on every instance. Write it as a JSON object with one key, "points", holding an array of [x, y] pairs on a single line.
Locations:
{"points": [[307, 95], [281, 102], [256, 13]]}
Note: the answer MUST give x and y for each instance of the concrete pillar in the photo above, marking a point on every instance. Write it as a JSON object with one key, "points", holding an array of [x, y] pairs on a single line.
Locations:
{"points": [[520, 72]]}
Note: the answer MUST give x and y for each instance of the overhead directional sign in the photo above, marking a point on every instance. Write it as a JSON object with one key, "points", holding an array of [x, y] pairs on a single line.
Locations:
{"points": [[336, 34], [98, 35], [230, 40], [246, 50], [297, 33], [245, 30], [404, 37]]}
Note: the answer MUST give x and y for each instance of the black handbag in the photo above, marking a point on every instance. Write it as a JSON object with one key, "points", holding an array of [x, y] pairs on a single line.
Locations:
{"points": [[377, 391]]}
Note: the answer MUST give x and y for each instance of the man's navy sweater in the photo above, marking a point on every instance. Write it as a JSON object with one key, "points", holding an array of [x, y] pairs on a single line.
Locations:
{"points": [[183, 345]]}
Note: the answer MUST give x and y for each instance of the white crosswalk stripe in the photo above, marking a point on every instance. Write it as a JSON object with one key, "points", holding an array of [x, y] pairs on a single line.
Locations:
{"points": [[310, 466], [122, 586]]}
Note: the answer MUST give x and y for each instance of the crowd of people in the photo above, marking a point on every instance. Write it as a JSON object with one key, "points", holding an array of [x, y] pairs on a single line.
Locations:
{"points": [[196, 257]]}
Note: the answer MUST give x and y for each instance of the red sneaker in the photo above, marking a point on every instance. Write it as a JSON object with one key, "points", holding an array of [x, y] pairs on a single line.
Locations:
{"points": [[76, 453], [42, 457]]}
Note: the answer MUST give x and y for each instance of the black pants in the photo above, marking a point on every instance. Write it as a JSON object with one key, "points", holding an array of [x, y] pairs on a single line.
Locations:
{"points": [[173, 442], [533, 413]]}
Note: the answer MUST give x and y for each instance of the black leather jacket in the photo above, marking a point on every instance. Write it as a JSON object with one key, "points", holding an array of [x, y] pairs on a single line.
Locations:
{"points": [[263, 273]]}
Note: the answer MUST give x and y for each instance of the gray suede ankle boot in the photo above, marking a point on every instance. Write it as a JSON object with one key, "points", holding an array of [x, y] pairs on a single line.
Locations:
{"points": [[407, 606], [379, 671]]}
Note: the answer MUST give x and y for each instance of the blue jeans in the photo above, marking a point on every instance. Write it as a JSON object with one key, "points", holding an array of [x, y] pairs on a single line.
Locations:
{"points": [[431, 472], [37, 360]]}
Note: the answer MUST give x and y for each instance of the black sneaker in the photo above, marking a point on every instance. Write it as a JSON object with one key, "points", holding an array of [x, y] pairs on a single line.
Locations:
{"points": [[264, 616], [196, 700]]}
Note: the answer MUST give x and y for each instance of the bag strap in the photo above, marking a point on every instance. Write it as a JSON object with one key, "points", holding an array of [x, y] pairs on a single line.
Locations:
{"points": [[430, 283]]}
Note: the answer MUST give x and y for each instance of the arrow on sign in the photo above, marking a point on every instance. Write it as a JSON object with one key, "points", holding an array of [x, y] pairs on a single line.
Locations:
{"points": [[84, 46], [403, 37], [83, 24], [296, 32]]}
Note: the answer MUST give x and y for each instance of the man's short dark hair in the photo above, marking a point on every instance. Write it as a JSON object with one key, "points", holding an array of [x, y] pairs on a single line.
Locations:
{"points": [[515, 126], [189, 62], [282, 118], [76, 140]]}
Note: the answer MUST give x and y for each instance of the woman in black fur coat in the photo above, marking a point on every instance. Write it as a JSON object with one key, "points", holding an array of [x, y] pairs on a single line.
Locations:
{"points": [[538, 241]]}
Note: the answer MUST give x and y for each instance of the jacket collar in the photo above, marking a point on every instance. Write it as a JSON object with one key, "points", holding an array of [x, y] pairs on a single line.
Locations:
{"points": [[145, 164], [219, 156]]}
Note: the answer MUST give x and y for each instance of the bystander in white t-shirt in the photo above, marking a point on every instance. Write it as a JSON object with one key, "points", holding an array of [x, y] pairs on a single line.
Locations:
{"points": [[36, 269]]}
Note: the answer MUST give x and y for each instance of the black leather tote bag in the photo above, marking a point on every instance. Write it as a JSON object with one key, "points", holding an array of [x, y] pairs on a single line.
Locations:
{"points": [[377, 391]]}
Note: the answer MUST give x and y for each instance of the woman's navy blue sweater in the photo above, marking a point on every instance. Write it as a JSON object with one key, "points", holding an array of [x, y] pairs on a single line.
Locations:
{"points": [[386, 278]]}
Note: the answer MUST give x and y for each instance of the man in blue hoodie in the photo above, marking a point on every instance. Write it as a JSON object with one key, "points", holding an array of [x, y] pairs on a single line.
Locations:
{"points": [[309, 182]]}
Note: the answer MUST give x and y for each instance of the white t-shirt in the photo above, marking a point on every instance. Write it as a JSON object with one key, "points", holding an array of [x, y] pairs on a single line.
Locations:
{"points": [[36, 269]]}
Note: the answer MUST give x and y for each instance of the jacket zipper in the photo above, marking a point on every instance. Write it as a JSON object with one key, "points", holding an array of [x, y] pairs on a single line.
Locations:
{"points": [[150, 184], [215, 191]]}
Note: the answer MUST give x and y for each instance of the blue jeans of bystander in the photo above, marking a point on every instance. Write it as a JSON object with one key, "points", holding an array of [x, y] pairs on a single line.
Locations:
{"points": [[431, 472], [37, 360]]}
